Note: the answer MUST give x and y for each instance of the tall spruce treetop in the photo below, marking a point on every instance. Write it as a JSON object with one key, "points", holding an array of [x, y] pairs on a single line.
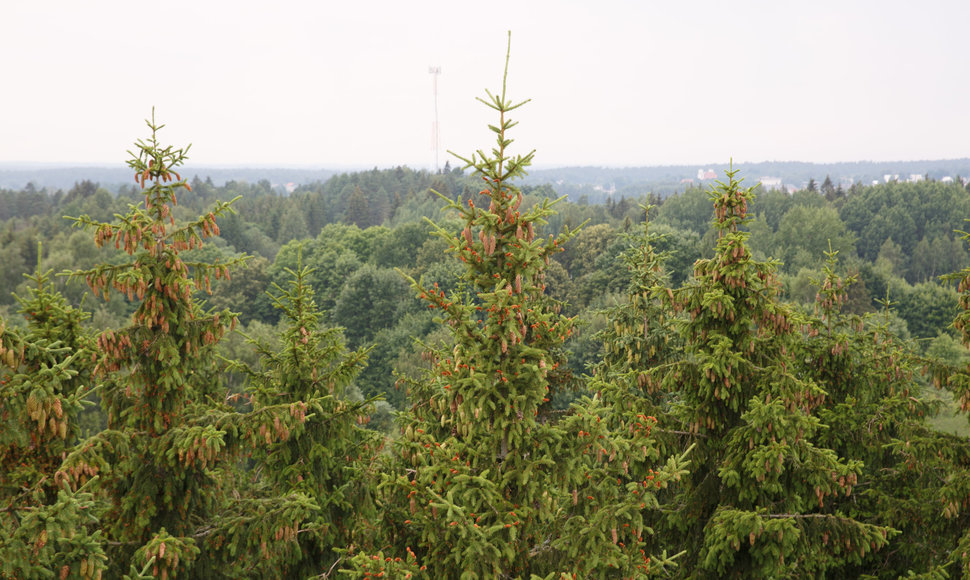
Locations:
{"points": [[759, 497], [170, 428], [488, 484]]}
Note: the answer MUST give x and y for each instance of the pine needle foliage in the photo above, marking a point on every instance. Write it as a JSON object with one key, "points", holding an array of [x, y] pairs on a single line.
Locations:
{"points": [[487, 484], [874, 413], [45, 527], [760, 499], [322, 469], [640, 336], [172, 440]]}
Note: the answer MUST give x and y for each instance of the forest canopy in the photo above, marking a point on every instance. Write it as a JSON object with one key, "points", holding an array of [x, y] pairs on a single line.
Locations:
{"points": [[403, 373]]}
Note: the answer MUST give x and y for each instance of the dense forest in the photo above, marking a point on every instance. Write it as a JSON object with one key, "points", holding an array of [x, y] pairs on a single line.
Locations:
{"points": [[358, 232], [401, 373], [598, 183]]}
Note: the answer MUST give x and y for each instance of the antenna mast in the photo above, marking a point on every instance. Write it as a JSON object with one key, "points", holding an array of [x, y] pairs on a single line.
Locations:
{"points": [[435, 139]]}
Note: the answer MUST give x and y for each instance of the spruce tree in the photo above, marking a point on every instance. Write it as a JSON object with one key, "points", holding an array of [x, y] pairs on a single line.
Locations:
{"points": [[914, 478], [959, 383], [323, 468], [953, 481], [168, 455], [760, 498], [640, 336], [489, 484], [46, 528], [640, 333], [873, 412]]}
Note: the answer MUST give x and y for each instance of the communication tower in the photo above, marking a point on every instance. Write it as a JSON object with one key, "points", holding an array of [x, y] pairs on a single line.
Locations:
{"points": [[435, 138]]}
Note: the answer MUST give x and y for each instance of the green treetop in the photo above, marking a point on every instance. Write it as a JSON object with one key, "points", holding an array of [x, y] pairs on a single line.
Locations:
{"points": [[488, 484], [640, 334], [164, 457], [759, 499], [874, 413], [310, 487]]}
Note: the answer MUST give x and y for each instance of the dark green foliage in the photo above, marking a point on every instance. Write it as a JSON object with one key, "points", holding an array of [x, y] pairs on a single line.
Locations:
{"points": [[960, 382], [806, 433], [308, 494], [171, 438], [926, 307], [371, 299], [487, 483], [45, 374], [790, 413], [390, 346], [247, 287], [358, 210], [907, 213], [762, 496], [805, 233], [690, 210], [400, 247], [873, 413], [158, 373], [951, 455], [640, 333]]}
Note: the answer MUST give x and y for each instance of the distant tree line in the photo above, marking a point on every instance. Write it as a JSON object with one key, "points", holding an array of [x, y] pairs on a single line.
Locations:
{"points": [[225, 382]]}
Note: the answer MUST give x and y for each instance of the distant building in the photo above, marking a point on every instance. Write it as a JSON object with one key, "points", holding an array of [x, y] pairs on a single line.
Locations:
{"points": [[890, 177], [687, 181], [705, 174], [947, 179], [915, 178], [769, 183]]}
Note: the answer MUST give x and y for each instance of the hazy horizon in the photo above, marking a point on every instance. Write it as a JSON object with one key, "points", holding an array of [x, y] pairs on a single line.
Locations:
{"points": [[618, 84], [26, 165]]}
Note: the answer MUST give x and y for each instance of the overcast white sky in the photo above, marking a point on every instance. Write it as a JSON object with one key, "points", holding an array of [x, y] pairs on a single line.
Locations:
{"points": [[623, 83]]}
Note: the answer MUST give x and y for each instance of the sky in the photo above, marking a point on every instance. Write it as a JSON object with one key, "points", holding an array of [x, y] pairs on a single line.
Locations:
{"points": [[612, 83]]}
